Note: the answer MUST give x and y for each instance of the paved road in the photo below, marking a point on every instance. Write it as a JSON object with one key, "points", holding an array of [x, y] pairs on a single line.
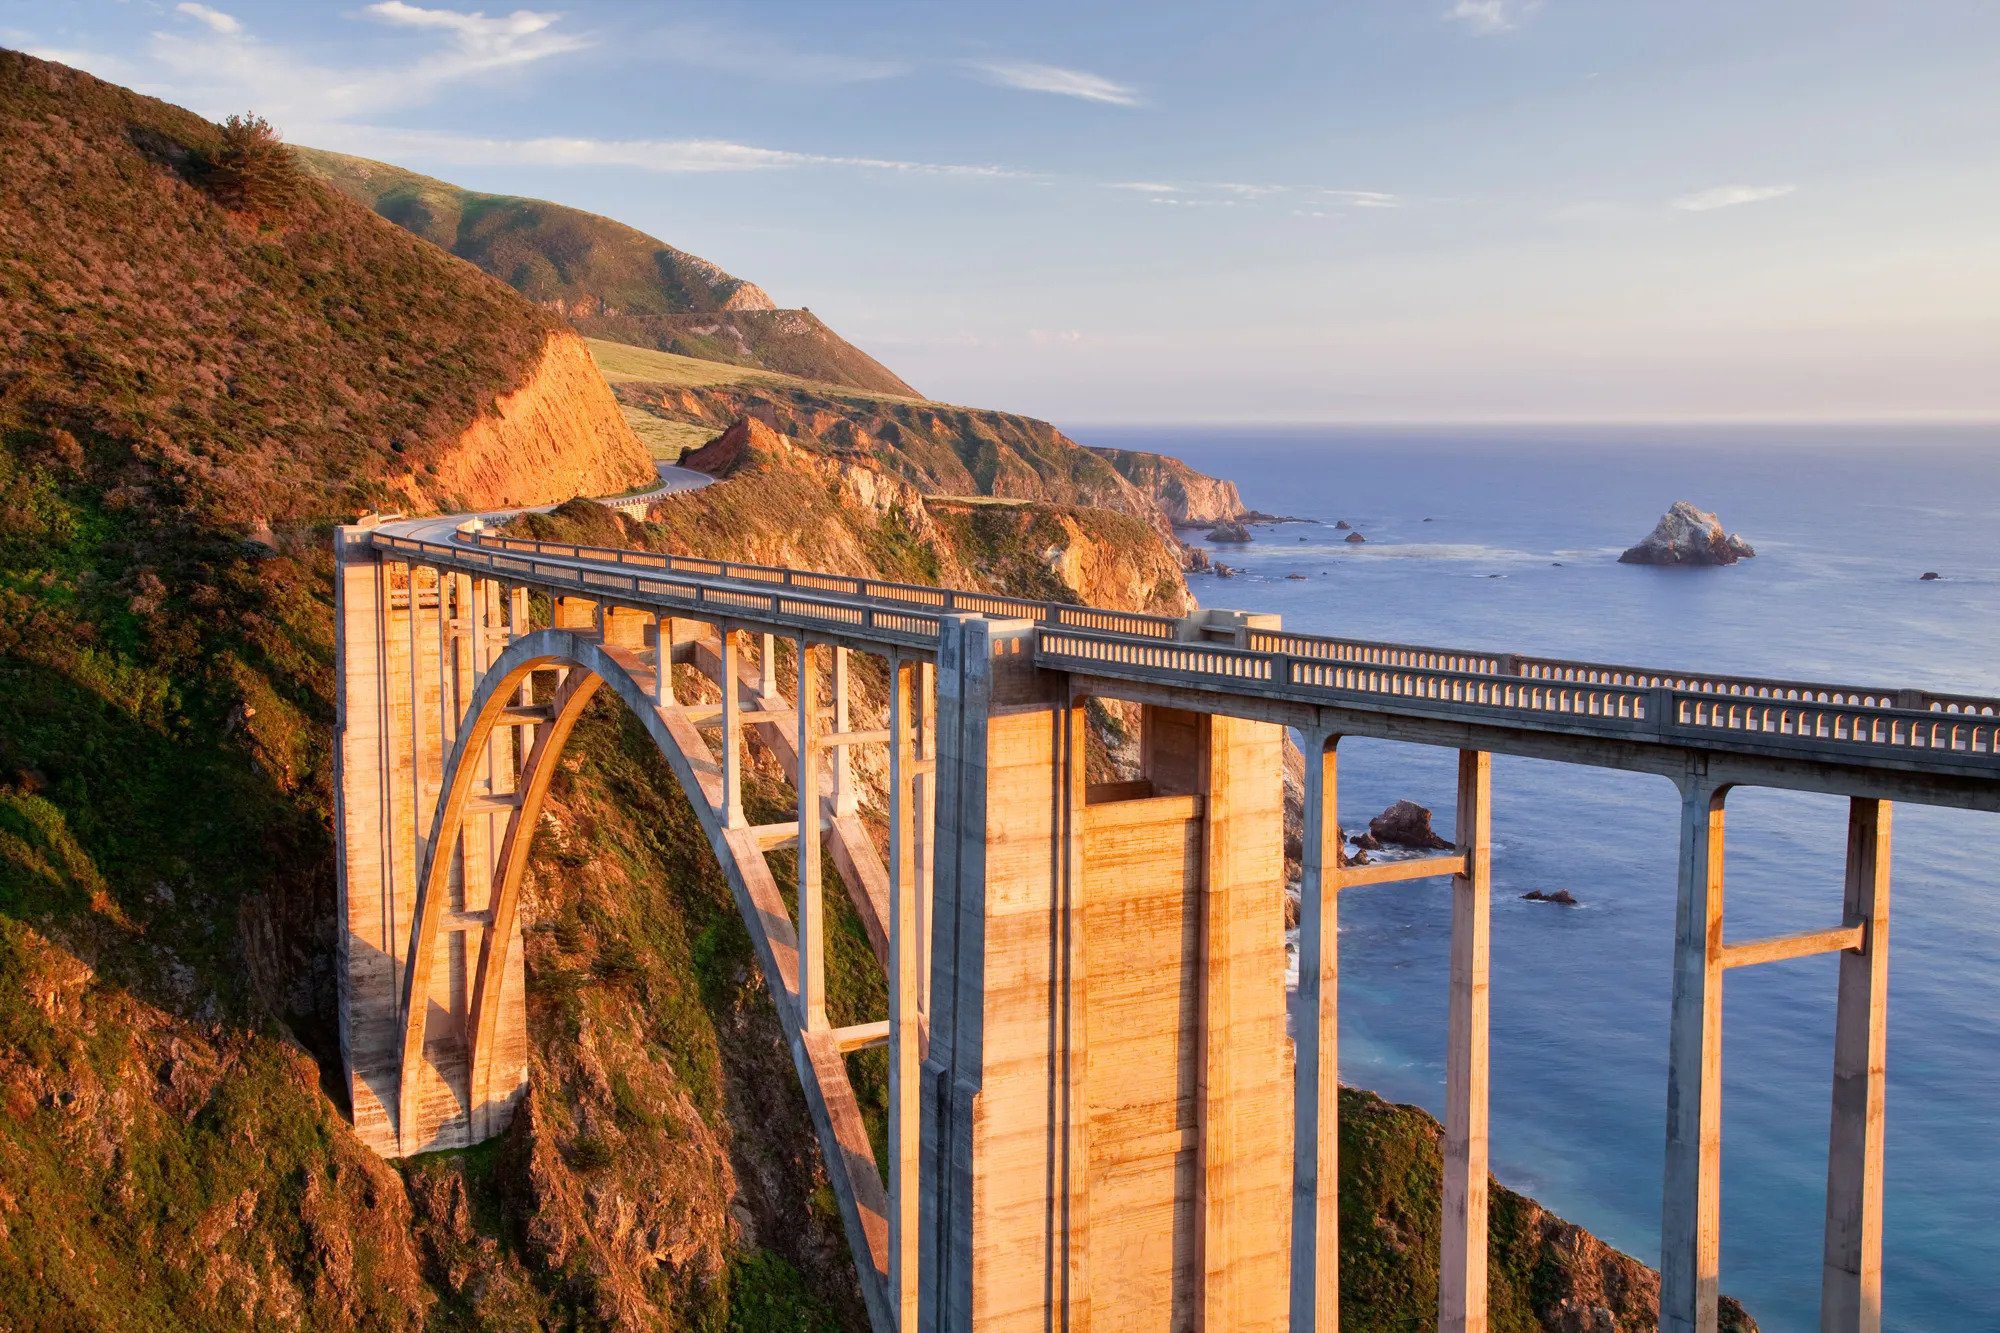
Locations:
{"points": [[444, 527]]}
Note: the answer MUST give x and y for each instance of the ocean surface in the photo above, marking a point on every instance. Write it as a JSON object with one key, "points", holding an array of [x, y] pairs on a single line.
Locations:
{"points": [[1508, 539]]}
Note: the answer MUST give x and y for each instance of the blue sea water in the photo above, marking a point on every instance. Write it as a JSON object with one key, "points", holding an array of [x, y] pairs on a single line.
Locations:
{"points": [[1520, 552]]}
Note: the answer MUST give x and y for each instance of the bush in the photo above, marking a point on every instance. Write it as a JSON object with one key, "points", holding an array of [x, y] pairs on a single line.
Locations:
{"points": [[253, 171]]}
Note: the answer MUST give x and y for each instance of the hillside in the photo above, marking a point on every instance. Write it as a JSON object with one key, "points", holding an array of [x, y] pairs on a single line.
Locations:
{"points": [[608, 279], [940, 448], [260, 365]]}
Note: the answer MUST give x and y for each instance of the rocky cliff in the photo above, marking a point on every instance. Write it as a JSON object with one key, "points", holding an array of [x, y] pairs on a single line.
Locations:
{"points": [[939, 448], [558, 435], [1187, 497]]}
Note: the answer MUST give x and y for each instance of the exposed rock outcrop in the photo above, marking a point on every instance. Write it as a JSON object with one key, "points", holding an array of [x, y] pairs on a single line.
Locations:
{"points": [[1686, 535], [557, 436], [1355, 539], [1187, 497], [1229, 532], [1561, 897], [1406, 824]]}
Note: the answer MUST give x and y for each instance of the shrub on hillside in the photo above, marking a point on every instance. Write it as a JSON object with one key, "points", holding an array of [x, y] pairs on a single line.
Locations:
{"points": [[253, 171]]}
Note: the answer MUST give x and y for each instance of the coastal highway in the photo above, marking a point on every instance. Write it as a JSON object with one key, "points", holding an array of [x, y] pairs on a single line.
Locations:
{"points": [[444, 527]]}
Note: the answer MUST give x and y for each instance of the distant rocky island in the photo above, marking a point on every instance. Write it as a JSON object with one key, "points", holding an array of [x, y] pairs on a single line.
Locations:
{"points": [[1686, 535]]}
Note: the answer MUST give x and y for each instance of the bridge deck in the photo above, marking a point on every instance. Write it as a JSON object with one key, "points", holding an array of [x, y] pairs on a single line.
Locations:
{"points": [[1584, 712]]}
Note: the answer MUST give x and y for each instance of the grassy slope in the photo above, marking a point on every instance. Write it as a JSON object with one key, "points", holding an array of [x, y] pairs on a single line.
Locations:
{"points": [[229, 363], [607, 278]]}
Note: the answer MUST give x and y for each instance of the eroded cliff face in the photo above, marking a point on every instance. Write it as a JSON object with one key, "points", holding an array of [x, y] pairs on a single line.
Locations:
{"points": [[1059, 552], [557, 436], [1186, 496], [939, 448]]}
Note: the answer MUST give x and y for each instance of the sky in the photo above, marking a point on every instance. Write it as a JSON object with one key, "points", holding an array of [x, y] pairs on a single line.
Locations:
{"points": [[1430, 210]]}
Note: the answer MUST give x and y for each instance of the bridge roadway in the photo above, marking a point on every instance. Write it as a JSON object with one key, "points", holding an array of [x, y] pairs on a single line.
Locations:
{"points": [[1023, 881], [1897, 743]]}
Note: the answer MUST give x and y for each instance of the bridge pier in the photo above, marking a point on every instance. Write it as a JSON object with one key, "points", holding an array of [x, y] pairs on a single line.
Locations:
{"points": [[1691, 1221], [1105, 1083]]}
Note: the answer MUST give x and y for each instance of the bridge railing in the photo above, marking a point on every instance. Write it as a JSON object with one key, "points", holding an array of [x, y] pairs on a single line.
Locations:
{"points": [[1135, 623], [671, 591], [1611, 674], [1551, 693], [1644, 706]]}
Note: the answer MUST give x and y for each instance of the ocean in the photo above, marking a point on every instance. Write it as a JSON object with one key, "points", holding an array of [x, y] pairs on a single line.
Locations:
{"points": [[1507, 538]]}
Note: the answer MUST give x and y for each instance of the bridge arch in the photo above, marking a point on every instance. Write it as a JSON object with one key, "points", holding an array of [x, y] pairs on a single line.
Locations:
{"points": [[590, 663]]}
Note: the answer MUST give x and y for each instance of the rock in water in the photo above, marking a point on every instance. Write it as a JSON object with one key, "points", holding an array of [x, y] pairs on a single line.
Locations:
{"points": [[1342, 526], [1561, 897], [1406, 824], [1688, 536], [1229, 531], [1356, 537], [1929, 576]]}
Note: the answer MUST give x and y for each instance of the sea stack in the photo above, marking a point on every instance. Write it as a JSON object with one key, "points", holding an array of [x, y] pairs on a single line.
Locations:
{"points": [[1686, 535], [1229, 530]]}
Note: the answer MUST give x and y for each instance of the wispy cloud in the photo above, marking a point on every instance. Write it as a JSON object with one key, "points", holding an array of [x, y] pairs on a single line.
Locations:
{"points": [[214, 18], [1031, 77], [1730, 196], [482, 43], [765, 55], [1305, 200], [222, 65], [1487, 17], [660, 155]]}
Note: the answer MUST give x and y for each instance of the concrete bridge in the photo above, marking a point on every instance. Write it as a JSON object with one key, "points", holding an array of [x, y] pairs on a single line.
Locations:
{"points": [[1096, 1115]]}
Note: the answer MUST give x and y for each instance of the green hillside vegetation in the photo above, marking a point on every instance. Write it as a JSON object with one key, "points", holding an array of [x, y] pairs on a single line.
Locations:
{"points": [[236, 362], [608, 279]]}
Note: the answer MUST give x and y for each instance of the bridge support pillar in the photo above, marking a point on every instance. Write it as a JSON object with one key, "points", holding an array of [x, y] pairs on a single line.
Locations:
{"points": [[1462, 1268], [1105, 1127], [371, 703], [1851, 1276], [1315, 1275], [1691, 1212]]}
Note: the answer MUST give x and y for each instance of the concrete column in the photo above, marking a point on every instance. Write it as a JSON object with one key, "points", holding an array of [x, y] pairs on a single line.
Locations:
{"points": [[519, 626], [732, 733], [905, 949], [767, 669], [367, 945], [846, 799], [1315, 1276], [1691, 1211], [923, 818], [812, 906], [663, 661], [421, 770], [1462, 1265], [1851, 1274]]}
